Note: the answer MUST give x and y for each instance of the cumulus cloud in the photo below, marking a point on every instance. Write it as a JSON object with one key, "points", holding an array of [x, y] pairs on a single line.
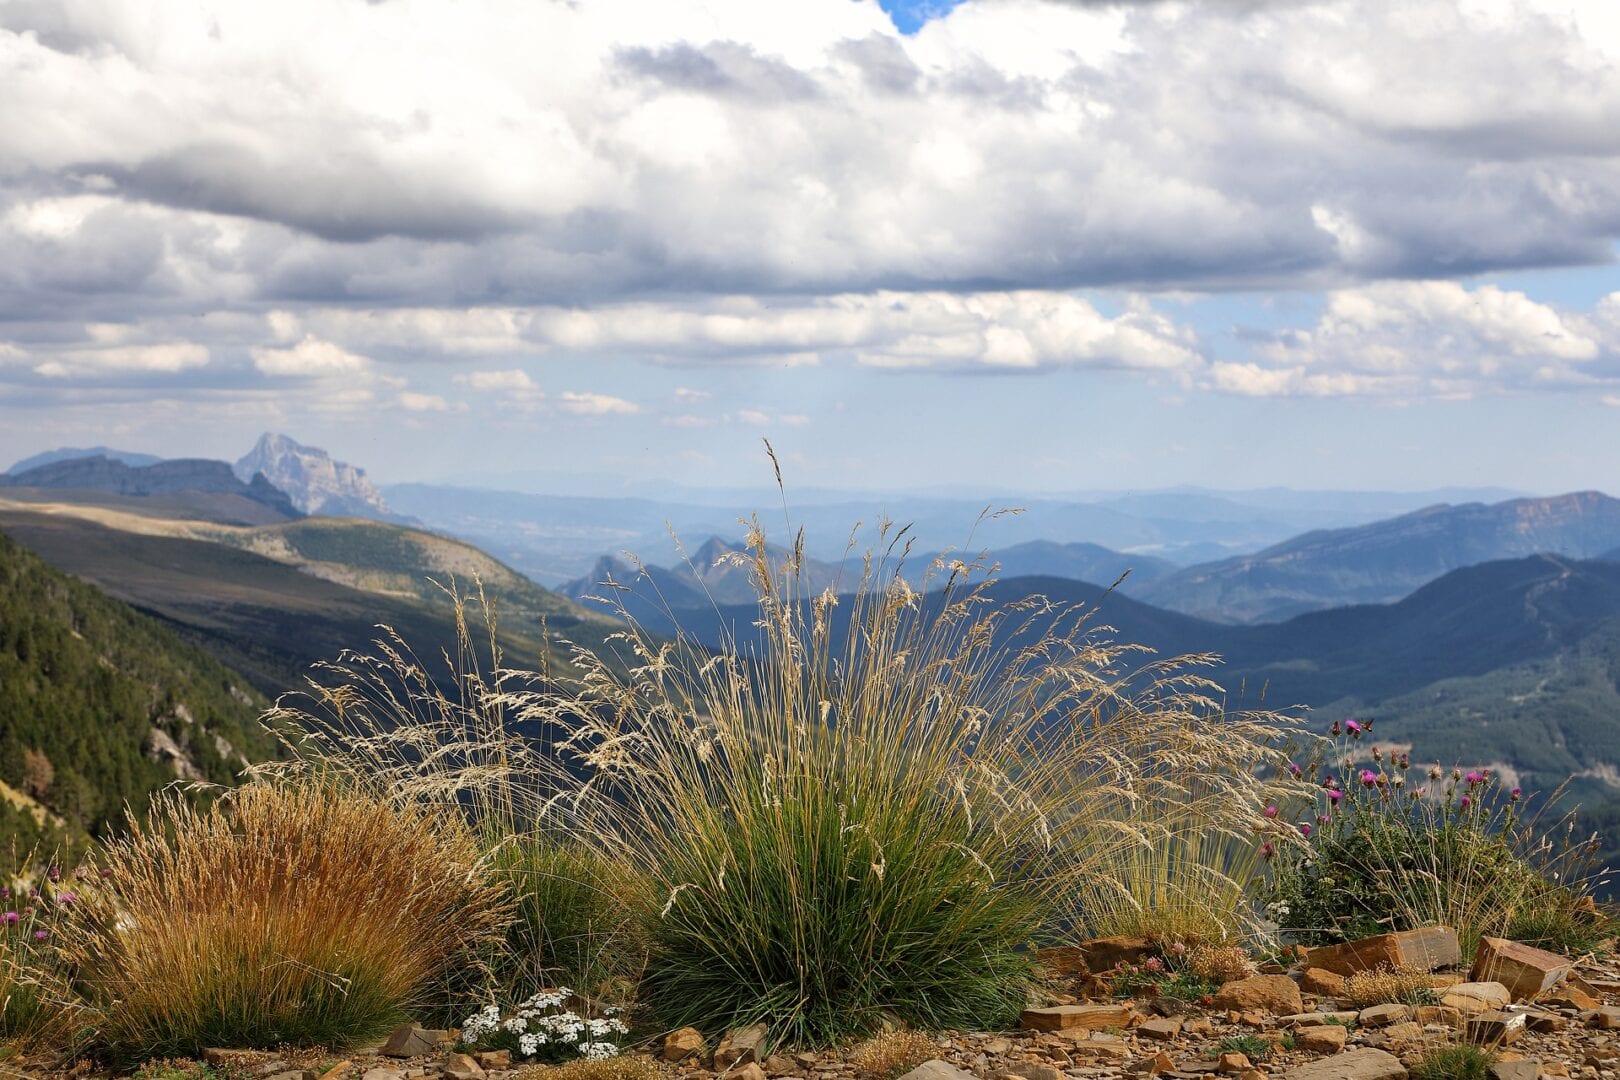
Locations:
{"points": [[590, 404], [310, 358], [252, 197], [1432, 339], [511, 380], [233, 151]]}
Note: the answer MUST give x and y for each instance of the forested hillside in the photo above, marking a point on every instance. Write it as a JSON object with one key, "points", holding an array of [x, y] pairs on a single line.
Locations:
{"points": [[101, 705]]}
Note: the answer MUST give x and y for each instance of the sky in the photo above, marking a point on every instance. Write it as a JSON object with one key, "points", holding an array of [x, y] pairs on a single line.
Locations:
{"points": [[1020, 245]]}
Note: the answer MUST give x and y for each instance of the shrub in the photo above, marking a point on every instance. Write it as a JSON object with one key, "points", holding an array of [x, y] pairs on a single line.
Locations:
{"points": [[1457, 1061], [892, 1054], [307, 911], [1388, 986], [1391, 848], [1192, 884], [580, 919], [1218, 964], [866, 814], [870, 813]]}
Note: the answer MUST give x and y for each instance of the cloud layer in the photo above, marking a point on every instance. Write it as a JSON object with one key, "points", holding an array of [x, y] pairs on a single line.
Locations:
{"points": [[316, 195]]}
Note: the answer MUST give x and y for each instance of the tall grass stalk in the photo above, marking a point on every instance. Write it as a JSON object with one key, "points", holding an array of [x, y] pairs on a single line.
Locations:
{"points": [[866, 807]]}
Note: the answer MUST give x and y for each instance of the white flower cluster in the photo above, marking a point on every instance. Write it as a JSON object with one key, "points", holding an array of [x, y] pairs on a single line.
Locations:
{"points": [[543, 1021]]}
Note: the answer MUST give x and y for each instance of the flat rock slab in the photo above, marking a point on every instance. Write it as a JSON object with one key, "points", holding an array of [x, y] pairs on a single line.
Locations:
{"points": [[1426, 949], [1516, 1070], [1477, 997], [937, 1070], [1525, 970], [1364, 1064], [1067, 1017]]}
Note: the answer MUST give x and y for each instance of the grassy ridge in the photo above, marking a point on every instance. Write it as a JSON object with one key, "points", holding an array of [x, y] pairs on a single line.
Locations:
{"points": [[272, 617]]}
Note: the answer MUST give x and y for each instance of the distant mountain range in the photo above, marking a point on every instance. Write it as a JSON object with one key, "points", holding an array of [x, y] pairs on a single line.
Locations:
{"points": [[68, 453], [208, 487], [1386, 560], [1484, 631]]}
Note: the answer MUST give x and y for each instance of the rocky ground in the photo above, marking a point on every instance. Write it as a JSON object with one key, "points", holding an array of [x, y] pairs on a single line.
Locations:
{"points": [[1545, 1016]]}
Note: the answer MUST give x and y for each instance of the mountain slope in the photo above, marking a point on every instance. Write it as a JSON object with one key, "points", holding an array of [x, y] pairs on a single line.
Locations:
{"points": [[1386, 560], [1083, 562], [101, 705], [314, 482], [209, 485], [272, 601]]}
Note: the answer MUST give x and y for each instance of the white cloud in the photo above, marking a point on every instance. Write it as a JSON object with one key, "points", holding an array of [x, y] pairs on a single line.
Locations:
{"points": [[310, 358], [166, 359], [589, 404], [708, 146], [512, 380], [412, 401], [1430, 338]]}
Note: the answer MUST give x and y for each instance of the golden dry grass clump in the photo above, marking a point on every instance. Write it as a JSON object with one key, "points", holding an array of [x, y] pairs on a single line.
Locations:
{"points": [[1219, 963], [1388, 986], [624, 1067], [892, 1054], [307, 910]]}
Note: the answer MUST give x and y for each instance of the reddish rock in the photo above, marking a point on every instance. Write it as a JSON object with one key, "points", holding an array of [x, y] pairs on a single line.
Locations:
{"points": [[739, 1047], [682, 1044], [1526, 971], [1065, 1017], [1063, 961], [1362, 1064], [1322, 982], [1271, 993], [1101, 954], [1426, 949], [1327, 1039]]}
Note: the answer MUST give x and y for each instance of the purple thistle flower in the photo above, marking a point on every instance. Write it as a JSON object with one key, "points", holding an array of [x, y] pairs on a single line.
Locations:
{"points": [[1516, 794], [1323, 819], [1334, 796], [12, 918], [1369, 778], [41, 935], [54, 873], [67, 898], [1270, 811], [1475, 778], [1268, 851], [1305, 829], [1294, 769], [1353, 727], [1466, 802]]}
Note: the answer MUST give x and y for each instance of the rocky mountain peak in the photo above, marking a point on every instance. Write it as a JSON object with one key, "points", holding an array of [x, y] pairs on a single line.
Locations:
{"points": [[314, 482]]}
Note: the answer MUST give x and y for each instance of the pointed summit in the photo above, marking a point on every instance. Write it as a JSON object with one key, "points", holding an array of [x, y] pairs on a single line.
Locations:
{"points": [[315, 483]]}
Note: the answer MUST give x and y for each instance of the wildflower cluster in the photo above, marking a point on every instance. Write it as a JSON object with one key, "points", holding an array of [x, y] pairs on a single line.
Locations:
{"points": [[544, 1027], [31, 909], [1191, 973], [1390, 846]]}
